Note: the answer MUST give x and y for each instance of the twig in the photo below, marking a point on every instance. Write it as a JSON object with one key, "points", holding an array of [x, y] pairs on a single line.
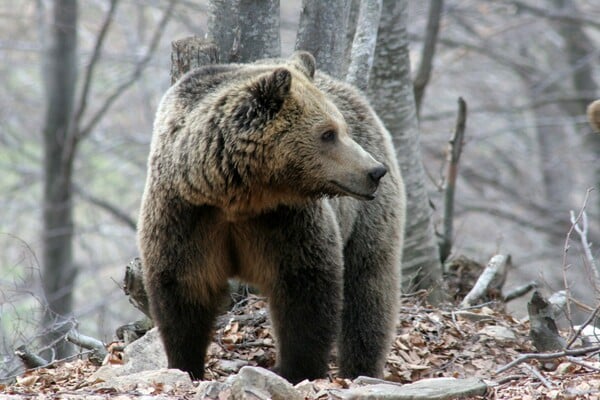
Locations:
{"points": [[582, 327], [583, 364], [566, 247], [520, 291], [581, 227], [112, 209], [454, 152], [493, 276], [538, 375], [548, 356]]}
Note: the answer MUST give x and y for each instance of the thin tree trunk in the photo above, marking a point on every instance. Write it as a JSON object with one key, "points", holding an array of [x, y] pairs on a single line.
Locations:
{"points": [[322, 31], [363, 44], [426, 64], [391, 93], [60, 77], [583, 61]]}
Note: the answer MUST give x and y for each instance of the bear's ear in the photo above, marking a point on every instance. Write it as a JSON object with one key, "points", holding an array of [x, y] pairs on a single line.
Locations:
{"points": [[305, 62], [270, 90]]}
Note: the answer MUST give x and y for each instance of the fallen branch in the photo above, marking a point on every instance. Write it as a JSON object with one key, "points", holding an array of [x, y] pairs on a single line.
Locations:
{"points": [[98, 348], [520, 291], [492, 278], [534, 371], [548, 356], [30, 360]]}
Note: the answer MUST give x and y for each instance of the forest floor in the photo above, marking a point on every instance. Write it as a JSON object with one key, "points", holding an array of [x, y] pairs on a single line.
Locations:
{"points": [[430, 342]]}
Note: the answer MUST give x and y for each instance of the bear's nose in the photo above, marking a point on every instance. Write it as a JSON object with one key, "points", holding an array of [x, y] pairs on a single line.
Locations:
{"points": [[377, 173]]}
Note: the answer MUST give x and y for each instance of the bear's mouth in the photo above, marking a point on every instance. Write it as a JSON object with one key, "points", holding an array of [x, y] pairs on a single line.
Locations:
{"points": [[356, 195]]}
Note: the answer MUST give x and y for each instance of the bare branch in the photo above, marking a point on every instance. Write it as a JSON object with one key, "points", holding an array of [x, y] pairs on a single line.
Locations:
{"points": [[554, 15], [112, 209], [363, 45], [30, 360], [89, 72], [589, 320], [548, 356], [139, 68], [428, 51], [519, 291], [454, 151]]}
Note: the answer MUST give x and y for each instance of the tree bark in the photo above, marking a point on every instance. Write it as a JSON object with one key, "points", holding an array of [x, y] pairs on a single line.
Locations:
{"points": [[259, 30], [363, 45], [391, 93], [60, 77], [322, 32], [223, 17], [245, 30]]}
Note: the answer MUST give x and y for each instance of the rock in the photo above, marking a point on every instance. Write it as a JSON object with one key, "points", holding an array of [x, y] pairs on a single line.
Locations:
{"points": [[499, 333], [148, 382], [306, 388], [212, 390], [426, 389], [259, 383], [231, 366], [145, 354]]}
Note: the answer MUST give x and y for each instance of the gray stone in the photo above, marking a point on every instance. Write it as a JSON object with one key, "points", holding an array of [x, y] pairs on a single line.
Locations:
{"points": [[259, 383], [210, 390], [168, 379], [145, 354], [231, 366], [499, 333], [426, 389]]}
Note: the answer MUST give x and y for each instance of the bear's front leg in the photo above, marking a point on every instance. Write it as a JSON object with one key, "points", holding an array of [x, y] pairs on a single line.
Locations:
{"points": [[306, 293], [184, 285]]}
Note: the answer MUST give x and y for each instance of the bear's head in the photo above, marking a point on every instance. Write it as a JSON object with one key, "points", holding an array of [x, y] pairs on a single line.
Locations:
{"points": [[282, 140]]}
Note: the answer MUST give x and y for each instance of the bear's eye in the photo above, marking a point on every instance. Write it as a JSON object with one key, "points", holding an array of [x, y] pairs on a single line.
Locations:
{"points": [[328, 136]]}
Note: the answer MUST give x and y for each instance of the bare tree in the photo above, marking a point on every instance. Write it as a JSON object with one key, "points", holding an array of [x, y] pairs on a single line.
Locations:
{"points": [[391, 93], [426, 64], [60, 77], [64, 129]]}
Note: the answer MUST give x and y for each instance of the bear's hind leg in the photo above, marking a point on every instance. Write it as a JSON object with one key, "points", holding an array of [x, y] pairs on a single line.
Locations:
{"points": [[186, 326]]}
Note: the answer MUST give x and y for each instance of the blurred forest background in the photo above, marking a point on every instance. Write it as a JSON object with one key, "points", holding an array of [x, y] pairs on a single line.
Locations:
{"points": [[527, 70]]}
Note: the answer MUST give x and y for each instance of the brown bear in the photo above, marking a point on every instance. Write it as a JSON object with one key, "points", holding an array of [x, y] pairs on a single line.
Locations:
{"points": [[285, 179], [593, 114]]}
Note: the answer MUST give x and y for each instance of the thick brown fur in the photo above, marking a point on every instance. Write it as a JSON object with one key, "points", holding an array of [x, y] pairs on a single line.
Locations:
{"points": [[262, 172]]}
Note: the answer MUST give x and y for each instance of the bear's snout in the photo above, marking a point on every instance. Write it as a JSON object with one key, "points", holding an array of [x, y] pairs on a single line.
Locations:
{"points": [[377, 173]]}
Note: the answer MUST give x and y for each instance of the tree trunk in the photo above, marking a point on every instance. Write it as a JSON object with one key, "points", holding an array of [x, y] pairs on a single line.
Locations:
{"points": [[245, 30], [363, 44], [391, 93], [322, 32], [60, 77], [583, 60], [222, 19], [259, 30]]}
